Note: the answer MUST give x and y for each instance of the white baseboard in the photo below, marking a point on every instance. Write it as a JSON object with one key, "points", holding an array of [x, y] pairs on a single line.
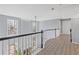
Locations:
{"points": [[75, 42]]}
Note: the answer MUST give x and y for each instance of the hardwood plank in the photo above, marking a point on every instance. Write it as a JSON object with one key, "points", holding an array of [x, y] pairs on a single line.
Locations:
{"points": [[60, 46]]}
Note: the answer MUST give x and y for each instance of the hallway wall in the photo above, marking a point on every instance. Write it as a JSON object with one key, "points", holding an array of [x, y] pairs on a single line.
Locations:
{"points": [[3, 26], [49, 24], [75, 29]]}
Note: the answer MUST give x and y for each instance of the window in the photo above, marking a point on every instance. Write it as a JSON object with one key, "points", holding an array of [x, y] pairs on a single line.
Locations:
{"points": [[12, 27]]}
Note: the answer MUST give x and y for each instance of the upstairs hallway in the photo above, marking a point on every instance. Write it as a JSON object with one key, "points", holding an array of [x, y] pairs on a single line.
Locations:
{"points": [[60, 46]]}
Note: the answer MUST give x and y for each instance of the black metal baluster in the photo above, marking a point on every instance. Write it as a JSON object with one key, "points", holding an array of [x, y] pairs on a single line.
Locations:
{"points": [[70, 35], [55, 33], [41, 38]]}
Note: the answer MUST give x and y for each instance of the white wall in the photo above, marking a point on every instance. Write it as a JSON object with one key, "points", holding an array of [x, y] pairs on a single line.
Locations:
{"points": [[75, 30], [26, 27], [49, 24], [3, 26]]}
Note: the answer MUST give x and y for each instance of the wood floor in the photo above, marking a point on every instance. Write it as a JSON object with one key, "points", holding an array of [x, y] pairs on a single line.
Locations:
{"points": [[60, 46]]}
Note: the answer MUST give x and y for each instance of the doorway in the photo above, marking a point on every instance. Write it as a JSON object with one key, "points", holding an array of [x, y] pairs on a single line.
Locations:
{"points": [[65, 26]]}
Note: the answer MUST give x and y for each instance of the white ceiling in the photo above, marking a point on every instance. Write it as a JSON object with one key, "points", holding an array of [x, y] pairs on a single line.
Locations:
{"points": [[42, 11]]}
